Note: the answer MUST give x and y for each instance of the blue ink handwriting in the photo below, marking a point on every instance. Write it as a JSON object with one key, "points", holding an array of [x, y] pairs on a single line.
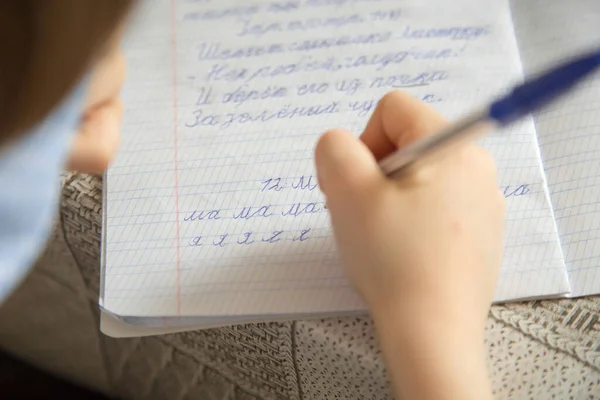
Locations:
{"points": [[243, 94], [205, 97], [275, 237], [364, 107], [312, 88], [348, 86], [255, 29], [305, 182], [213, 51], [302, 236], [454, 33], [253, 212], [196, 241], [231, 12], [244, 11], [516, 191], [272, 184], [264, 211], [246, 239], [379, 61], [251, 28], [221, 241], [253, 238], [298, 209], [224, 121], [203, 215], [407, 80]]}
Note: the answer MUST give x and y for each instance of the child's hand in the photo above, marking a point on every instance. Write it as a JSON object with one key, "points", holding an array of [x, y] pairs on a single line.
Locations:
{"points": [[98, 138], [423, 251]]}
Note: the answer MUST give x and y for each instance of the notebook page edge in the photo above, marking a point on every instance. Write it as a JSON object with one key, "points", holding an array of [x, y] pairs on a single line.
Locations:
{"points": [[583, 274], [540, 157]]}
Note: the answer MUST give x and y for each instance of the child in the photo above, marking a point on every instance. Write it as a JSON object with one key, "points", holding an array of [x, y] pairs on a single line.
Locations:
{"points": [[424, 251]]}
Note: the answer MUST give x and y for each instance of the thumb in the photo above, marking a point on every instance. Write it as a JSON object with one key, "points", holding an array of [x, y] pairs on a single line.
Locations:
{"points": [[347, 171]]}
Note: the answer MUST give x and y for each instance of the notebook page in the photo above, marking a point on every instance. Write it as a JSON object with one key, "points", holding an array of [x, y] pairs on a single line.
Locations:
{"points": [[212, 207], [569, 133]]}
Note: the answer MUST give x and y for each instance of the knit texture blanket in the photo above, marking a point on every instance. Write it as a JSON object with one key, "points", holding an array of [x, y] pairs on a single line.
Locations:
{"points": [[537, 350]]}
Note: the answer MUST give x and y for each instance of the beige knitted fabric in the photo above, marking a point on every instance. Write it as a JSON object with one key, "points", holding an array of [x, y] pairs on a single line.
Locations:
{"points": [[537, 350]]}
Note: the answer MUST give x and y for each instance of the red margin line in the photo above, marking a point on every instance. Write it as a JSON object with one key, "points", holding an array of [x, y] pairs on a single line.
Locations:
{"points": [[175, 155]]}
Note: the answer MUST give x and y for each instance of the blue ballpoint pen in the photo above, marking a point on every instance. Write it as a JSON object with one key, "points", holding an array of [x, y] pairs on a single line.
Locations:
{"points": [[522, 100]]}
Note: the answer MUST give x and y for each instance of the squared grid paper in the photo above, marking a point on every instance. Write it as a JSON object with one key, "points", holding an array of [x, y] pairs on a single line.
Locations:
{"points": [[569, 132], [209, 217]]}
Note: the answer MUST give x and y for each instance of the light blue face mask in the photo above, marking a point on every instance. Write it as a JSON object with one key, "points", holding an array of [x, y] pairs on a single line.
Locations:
{"points": [[30, 187]]}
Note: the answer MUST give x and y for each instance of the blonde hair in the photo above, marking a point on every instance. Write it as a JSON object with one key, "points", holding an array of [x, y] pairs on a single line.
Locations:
{"points": [[46, 47]]}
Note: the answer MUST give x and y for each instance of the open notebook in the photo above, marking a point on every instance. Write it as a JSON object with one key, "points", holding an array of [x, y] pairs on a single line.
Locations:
{"points": [[212, 214]]}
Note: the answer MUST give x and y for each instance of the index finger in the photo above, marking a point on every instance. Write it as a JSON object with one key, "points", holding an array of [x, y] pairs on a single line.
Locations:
{"points": [[399, 119]]}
